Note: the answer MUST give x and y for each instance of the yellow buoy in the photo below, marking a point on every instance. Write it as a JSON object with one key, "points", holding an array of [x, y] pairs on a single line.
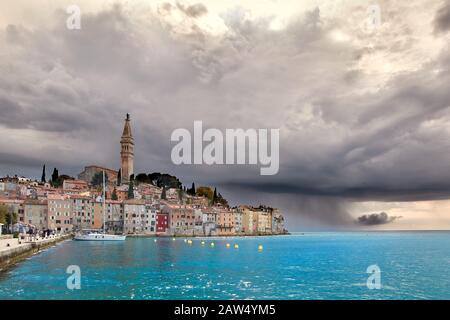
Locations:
{"points": [[236, 246], [212, 244], [189, 241], [228, 245], [260, 248]]}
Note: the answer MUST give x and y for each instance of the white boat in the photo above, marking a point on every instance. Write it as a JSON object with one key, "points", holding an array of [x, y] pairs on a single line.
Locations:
{"points": [[98, 236], [95, 235]]}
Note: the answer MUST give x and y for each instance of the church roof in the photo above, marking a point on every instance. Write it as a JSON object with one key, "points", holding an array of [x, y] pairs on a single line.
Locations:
{"points": [[127, 128]]}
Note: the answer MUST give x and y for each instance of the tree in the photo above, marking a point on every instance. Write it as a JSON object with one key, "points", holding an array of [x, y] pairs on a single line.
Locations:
{"points": [[58, 180], [163, 193], [97, 179], [205, 192], [6, 215], [131, 190], [9, 216], [180, 195], [119, 177], [43, 174], [142, 178], [214, 199], [3, 214], [114, 194], [191, 191], [164, 179], [222, 200], [55, 176]]}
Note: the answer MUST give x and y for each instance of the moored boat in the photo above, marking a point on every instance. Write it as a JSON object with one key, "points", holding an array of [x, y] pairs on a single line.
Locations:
{"points": [[96, 235]]}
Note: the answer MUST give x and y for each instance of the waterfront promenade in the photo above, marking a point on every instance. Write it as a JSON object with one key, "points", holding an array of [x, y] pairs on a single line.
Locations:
{"points": [[12, 250]]}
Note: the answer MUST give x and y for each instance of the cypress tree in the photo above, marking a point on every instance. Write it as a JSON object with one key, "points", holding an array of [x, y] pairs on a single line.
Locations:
{"points": [[192, 190], [119, 177], [131, 190], [163, 193], [55, 176], [214, 199], [43, 174]]}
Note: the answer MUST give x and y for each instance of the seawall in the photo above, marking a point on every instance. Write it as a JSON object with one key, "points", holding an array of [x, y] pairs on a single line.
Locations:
{"points": [[19, 251]]}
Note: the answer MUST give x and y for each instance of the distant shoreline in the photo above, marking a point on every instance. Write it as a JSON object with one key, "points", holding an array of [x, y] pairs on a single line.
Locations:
{"points": [[204, 236]]}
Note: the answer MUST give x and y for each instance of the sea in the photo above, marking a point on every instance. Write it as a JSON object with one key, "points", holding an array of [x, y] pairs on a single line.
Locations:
{"points": [[310, 265]]}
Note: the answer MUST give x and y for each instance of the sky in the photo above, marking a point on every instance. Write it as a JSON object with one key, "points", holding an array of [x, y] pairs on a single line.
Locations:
{"points": [[362, 100]]}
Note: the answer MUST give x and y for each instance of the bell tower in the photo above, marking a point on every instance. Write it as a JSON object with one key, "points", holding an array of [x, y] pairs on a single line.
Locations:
{"points": [[127, 151]]}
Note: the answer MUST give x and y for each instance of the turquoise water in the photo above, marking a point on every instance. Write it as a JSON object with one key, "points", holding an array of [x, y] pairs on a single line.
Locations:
{"points": [[414, 265]]}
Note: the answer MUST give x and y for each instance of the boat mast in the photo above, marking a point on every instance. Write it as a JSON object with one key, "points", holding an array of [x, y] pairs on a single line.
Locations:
{"points": [[103, 198]]}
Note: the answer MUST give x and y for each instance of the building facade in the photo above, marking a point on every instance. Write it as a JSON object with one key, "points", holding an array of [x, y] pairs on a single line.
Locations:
{"points": [[89, 172], [135, 216], [82, 212], [36, 213], [114, 217], [162, 222], [225, 222], [59, 213]]}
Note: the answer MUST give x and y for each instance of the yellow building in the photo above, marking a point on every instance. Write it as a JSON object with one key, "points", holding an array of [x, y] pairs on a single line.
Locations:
{"points": [[249, 220], [225, 222], [264, 222]]}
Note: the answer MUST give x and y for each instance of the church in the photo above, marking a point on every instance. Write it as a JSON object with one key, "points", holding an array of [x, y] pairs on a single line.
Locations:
{"points": [[126, 160]]}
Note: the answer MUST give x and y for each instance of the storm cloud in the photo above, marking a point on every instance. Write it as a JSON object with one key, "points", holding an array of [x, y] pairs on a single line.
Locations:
{"points": [[374, 219], [442, 21], [363, 115]]}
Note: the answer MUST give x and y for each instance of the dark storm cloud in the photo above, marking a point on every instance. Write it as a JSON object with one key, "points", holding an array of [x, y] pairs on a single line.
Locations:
{"points": [[442, 19], [12, 159], [374, 219], [344, 137]]}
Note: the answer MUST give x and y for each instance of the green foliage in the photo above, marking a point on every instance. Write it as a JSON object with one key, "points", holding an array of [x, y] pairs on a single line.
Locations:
{"points": [[163, 193], [221, 200], [58, 180], [131, 190], [55, 176], [142, 178], [3, 214], [164, 179], [114, 195], [119, 177], [6, 215], [13, 216], [192, 191], [97, 179], [213, 196], [205, 192], [43, 174], [214, 199]]}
